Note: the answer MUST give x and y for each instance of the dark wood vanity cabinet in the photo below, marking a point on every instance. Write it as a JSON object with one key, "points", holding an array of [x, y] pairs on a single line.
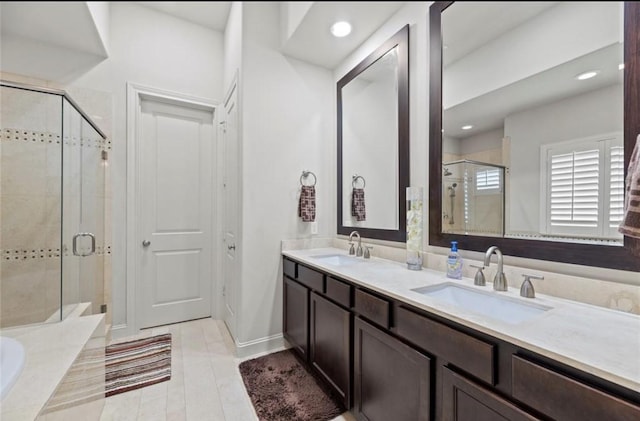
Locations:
{"points": [[296, 316], [318, 324], [388, 360], [392, 381], [330, 345], [465, 400]]}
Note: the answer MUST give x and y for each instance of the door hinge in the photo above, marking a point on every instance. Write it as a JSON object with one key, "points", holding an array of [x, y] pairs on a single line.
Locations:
{"points": [[224, 291], [103, 308]]}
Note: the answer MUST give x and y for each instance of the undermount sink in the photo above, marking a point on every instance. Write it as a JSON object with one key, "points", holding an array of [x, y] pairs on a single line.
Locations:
{"points": [[489, 304], [336, 259]]}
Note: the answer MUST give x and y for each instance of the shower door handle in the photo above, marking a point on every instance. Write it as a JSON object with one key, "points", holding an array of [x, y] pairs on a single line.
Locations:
{"points": [[75, 244]]}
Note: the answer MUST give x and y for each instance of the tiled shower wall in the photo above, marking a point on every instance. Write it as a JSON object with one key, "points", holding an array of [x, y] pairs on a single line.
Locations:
{"points": [[32, 251], [30, 219]]}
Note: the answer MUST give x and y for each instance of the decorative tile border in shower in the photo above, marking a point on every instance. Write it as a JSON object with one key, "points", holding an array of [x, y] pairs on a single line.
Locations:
{"points": [[9, 134], [44, 253]]}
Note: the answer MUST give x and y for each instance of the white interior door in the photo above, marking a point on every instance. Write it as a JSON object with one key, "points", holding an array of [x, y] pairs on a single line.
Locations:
{"points": [[175, 212], [231, 209]]}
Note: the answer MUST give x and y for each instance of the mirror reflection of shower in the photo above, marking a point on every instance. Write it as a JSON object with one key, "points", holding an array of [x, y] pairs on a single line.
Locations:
{"points": [[472, 197], [452, 194]]}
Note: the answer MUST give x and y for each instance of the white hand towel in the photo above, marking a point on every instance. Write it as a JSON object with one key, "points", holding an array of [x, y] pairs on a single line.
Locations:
{"points": [[631, 221]]}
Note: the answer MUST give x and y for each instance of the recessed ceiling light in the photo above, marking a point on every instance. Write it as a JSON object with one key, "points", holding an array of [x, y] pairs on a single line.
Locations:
{"points": [[341, 29], [620, 66], [587, 75], [467, 127]]}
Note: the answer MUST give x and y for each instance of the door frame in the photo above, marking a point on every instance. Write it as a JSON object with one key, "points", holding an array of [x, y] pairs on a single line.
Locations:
{"points": [[135, 94]]}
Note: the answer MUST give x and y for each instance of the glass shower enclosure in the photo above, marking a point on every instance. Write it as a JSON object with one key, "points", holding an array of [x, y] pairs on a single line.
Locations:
{"points": [[52, 213], [473, 198]]}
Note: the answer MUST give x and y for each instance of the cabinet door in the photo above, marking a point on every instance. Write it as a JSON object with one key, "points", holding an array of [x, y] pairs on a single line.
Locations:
{"points": [[391, 380], [296, 316], [464, 400], [329, 344]]}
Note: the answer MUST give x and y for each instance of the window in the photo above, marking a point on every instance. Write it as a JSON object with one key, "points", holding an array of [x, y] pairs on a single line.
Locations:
{"points": [[488, 180], [584, 187]]}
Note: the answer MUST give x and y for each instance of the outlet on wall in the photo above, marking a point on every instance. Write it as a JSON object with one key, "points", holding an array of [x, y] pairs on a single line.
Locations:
{"points": [[314, 227]]}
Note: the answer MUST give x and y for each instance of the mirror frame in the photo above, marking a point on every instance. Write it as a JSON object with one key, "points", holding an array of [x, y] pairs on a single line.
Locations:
{"points": [[613, 257], [400, 39]]}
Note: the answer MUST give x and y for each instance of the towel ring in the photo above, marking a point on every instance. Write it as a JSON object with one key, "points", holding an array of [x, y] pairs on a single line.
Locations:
{"points": [[354, 181], [306, 174]]}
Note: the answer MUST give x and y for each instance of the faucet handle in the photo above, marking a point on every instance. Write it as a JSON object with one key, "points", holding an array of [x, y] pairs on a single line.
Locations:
{"points": [[479, 278], [352, 250], [526, 289], [367, 251]]}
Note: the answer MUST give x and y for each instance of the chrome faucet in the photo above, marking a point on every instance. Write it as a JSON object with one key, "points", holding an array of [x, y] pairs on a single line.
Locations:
{"points": [[358, 253], [500, 281]]}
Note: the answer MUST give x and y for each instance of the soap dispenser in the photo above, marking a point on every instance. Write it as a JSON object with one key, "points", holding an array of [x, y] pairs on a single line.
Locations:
{"points": [[454, 262]]}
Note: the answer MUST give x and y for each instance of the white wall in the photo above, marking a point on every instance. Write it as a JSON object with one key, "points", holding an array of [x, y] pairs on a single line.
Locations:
{"points": [[370, 149], [101, 14], [482, 142], [561, 121], [153, 49], [288, 126], [291, 14]]}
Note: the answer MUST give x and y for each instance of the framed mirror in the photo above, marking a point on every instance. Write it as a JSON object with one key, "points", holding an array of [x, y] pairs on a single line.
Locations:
{"points": [[533, 117], [373, 143]]}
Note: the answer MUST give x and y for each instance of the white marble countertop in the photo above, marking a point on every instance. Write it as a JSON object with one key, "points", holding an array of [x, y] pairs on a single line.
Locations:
{"points": [[603, 342], [50, 350]]}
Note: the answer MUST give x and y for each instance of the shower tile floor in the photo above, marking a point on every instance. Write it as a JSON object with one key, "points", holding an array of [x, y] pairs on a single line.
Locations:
{"points": [[205, 381]]}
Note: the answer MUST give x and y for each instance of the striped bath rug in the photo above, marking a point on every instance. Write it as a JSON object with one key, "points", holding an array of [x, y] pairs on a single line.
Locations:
{"points": [[135, 364]]}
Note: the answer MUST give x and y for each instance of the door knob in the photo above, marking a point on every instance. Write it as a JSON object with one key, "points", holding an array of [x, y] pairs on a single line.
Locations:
{"points": [[231, 247], [146, 243]]}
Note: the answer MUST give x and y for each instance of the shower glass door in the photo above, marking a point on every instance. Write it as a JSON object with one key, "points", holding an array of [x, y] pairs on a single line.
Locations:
{"points": [[82, 214]]}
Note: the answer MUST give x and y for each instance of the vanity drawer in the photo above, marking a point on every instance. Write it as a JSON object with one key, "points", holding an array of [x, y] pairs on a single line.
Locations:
{"points": [[311, 278], [289, 268], [564, 398], [472, 355], [372, 307], [339, 292]]}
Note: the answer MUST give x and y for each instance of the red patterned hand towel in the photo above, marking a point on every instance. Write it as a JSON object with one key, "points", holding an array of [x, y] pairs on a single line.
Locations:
{"points": [[358, 208], [631, 222], [307, 204]]}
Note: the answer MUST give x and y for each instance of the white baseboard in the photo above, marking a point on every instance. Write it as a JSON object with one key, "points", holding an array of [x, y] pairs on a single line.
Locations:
{"points": [[264, 345]]}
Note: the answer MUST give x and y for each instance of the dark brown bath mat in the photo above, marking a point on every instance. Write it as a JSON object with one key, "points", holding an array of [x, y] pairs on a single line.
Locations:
{"points": [[135, 364], [281, 388]]}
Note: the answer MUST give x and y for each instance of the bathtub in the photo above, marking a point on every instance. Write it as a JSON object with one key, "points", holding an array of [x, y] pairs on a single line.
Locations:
{"points": [[11, 363]]}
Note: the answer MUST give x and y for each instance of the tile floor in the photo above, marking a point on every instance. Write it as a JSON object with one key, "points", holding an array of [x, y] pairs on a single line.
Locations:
{"points": [[205, 382]]}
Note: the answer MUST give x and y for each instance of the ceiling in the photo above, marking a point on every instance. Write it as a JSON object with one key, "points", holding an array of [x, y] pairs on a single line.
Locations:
{"points": [[464, 29], [212, 14], [65, 24], [467, 29], [487, 112], [312, 42]]}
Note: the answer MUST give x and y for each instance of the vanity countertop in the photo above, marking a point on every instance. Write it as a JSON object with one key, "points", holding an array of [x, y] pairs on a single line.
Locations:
{"points": [[603, 342]]}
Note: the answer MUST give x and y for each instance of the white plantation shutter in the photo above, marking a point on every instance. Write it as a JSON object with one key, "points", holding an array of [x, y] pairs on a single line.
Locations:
{"points": [[574, 189], [584, 187], [616, 186], [488, 179]]}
